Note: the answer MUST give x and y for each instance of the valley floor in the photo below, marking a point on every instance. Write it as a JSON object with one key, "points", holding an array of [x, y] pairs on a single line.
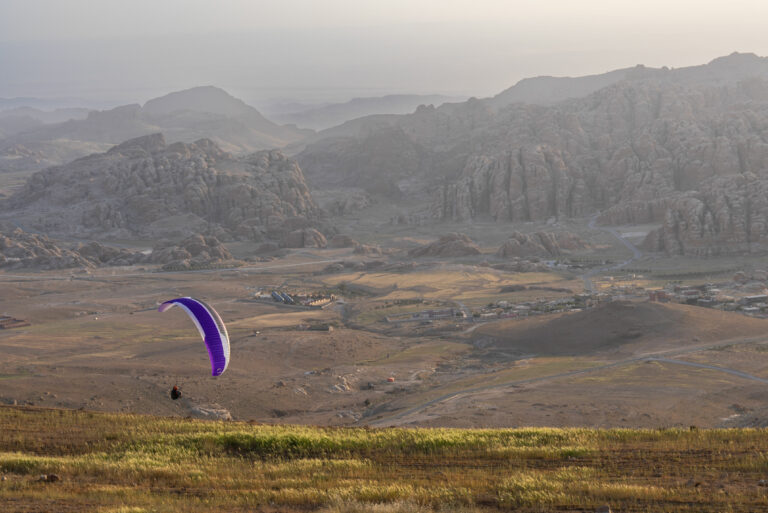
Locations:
{"points": [[96, 341]]}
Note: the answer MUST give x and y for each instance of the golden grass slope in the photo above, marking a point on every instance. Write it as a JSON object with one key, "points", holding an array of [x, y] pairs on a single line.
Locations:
{"points": [[113, 462]]}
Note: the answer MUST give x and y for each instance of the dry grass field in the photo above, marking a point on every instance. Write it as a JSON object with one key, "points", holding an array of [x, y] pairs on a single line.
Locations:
{"points": [[469, 284], [97, 342], [128, 463]]}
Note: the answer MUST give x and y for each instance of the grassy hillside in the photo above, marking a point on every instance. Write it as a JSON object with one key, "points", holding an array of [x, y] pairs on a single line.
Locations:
{"points": [[133, 464]]}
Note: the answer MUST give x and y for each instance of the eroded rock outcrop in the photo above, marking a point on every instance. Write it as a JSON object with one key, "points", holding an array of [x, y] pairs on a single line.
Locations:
{"points": [[197, 251], [145, 188], [304, 238], [450, 245], [341, 241], [729, 215], [20, 250], [23, 250], [626, 149], [540, 244], [631, 150], [367, 249]]}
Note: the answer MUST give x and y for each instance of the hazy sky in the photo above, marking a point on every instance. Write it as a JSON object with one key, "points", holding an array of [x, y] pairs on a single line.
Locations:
{"points": [[309, 50]]}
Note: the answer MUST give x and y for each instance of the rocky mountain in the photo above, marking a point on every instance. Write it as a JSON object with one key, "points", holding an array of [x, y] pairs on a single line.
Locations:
{"points": [[550, 90], [547, 90], [728, 215], [146, 188], [628, 150], [326, 116], [222, 115], [185, 116]]}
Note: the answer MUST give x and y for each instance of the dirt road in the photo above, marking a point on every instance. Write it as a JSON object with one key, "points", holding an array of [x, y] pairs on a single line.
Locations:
{"points": [[655, 356]]}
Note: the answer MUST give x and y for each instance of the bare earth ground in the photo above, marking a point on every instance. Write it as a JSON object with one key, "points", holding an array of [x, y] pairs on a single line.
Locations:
{"points": [[97, 342]]}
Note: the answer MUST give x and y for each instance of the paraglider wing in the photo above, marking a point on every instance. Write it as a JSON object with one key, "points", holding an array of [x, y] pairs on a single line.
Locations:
{"points": [[211, 328]]}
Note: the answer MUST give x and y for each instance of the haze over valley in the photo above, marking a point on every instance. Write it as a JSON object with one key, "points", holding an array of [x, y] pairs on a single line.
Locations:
{"points": [[545, 186], [462, 219]]}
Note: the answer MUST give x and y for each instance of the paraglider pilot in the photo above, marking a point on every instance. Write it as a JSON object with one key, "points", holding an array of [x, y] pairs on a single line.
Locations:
{"points": [[211, 329]]}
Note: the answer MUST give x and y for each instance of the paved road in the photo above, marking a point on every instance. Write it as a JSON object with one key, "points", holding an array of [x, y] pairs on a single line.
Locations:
{"points": [[654, 356]]}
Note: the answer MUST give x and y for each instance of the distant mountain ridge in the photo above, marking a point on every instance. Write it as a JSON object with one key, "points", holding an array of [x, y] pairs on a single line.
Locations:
{"points": [[639, 150], [184, 116], [327, 116], [547, 90]]}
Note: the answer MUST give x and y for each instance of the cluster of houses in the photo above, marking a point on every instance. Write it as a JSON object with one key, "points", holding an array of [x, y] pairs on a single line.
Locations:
{"points": [[710, 295], [428, 315], [7, 322], [297, 299], [506, 309]]}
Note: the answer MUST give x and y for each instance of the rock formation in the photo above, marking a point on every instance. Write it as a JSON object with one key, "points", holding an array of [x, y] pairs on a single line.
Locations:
{"points": [[145, 188], [637, 145], [367, 249], [342, 241], [540, 244], [194, 252], [376, 163], [22, 250], [728, 215], [304, 238], [450, 245]]}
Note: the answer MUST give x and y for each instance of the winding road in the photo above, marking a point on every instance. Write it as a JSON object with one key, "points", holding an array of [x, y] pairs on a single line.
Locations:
{"points": [[659, 356]]}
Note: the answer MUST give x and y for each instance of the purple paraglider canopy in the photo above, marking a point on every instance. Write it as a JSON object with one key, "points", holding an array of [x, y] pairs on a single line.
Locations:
{"points": [[211, 328]]}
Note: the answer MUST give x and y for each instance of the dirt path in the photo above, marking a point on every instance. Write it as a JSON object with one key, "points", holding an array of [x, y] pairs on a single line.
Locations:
{"points": [[655, 356], [711, 367]]}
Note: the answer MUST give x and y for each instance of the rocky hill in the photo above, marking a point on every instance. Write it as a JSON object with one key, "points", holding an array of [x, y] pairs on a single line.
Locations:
{"points": [[194, 252], [145, 188], [450, 245], [22, 250], [727, 215], [613, 326], [186, 116], [630, 150], [540, 244]]}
